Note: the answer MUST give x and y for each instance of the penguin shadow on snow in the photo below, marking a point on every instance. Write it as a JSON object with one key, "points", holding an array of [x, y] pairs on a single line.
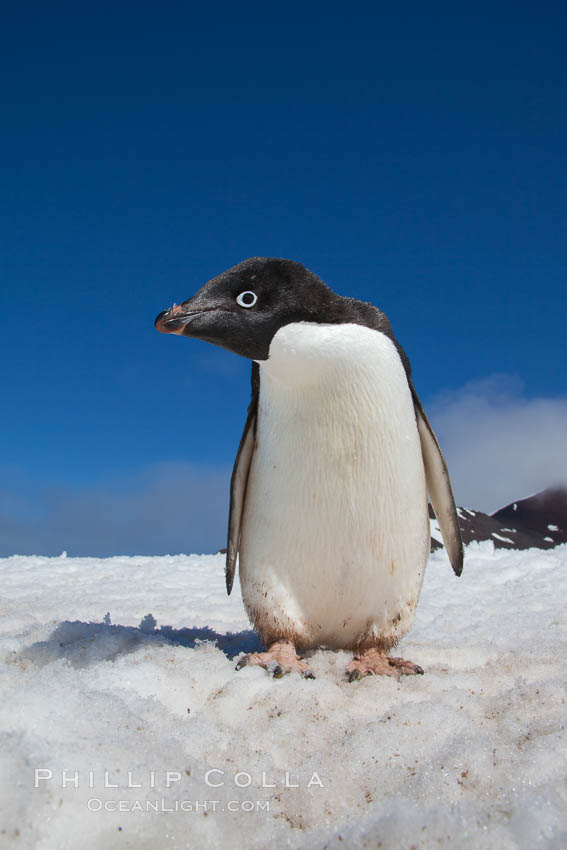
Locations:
{"points": [[83, 644]]}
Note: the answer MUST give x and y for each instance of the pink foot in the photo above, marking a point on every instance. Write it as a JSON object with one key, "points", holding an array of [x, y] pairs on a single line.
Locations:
{"points": [[280, 658], [375, 662]]}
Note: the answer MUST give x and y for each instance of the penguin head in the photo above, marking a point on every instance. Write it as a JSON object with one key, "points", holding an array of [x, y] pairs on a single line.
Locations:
{"points": [[244, 307]]}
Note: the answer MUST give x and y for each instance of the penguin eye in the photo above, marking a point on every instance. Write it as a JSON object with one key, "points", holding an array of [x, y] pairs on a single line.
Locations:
{"points": [[246, 299]]}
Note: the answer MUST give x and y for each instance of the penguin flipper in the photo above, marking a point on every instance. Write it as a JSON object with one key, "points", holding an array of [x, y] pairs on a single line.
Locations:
{"points": [[239, 480], [439, 487]]}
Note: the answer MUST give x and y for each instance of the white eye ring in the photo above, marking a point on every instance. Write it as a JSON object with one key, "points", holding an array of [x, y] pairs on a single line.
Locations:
{"points": [[249, 302]]}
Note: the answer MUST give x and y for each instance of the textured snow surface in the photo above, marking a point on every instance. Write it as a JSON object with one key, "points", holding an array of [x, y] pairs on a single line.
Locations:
{"points": [[471, 755]]}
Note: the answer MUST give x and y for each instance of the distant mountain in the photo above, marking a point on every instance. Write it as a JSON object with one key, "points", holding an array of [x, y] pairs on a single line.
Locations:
{"points": [[544, 514], [539, 521]]}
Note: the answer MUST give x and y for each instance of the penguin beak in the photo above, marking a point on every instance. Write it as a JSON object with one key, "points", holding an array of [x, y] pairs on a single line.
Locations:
{"points": [[176, 319], [173, 320]]}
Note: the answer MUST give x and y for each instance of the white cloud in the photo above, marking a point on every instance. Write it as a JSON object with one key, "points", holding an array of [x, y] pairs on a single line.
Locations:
{"points": [[500, 445]]}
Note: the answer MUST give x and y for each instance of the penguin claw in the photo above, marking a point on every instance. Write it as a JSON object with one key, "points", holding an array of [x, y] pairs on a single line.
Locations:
{"points": [[408, 668], [280, 659], [375, 662]]}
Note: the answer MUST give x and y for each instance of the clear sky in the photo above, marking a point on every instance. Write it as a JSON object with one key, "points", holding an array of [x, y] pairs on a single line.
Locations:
{"points": [[411, 155]]}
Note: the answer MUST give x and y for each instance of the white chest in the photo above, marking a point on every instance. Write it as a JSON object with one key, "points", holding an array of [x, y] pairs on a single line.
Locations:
{"points": [[335, 523]]}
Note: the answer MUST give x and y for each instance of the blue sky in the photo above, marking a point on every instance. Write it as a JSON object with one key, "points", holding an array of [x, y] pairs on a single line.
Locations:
{"points": [[411, 156]]}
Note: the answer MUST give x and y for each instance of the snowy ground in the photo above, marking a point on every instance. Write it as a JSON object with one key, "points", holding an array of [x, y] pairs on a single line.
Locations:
{"points": [[471, 755]]}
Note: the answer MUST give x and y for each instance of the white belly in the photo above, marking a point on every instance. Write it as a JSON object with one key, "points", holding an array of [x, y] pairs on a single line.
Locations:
{"points": [[335, 534]]}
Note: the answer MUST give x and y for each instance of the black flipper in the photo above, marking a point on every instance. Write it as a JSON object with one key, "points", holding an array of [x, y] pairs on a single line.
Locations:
{"points": [[439, 487], [239, 480]]}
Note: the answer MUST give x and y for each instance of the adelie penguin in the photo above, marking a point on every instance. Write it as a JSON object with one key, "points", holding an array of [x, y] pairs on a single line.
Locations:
{"points": [[328, 497]]}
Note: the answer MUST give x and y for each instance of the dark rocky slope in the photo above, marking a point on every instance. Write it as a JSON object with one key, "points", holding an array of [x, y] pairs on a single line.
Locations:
{"points": [[538, 521]]}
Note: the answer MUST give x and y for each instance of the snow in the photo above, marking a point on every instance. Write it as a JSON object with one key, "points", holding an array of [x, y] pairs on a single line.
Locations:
{"points": [[501, 537], [553, 528], [105, 681]]}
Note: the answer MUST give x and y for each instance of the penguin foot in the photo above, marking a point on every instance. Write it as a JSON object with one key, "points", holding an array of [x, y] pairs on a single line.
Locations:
{"points": [[281, 658], [375, 662]]}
